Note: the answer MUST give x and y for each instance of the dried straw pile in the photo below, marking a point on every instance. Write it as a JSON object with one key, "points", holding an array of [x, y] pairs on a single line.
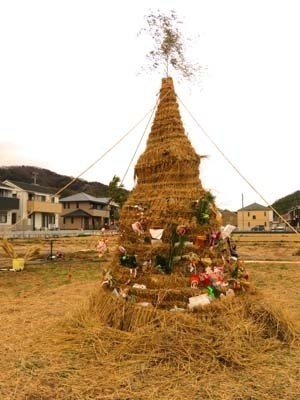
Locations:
{"points": [[248, 312], [232, 350], [147, 350], [226, 351]]}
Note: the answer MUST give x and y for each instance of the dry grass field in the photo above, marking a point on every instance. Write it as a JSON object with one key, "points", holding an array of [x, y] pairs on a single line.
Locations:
{"points": [[54, 347]]}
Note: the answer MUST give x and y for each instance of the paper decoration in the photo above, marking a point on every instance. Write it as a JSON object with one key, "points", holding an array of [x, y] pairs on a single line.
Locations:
{"points": [[156, 233]]}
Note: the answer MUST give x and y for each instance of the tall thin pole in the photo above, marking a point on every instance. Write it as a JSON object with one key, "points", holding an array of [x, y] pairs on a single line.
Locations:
{"points": [[35, 174], [243, 212], [51, 249]]}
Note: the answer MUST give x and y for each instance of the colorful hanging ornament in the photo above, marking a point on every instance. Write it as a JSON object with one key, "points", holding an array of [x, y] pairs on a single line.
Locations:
{"points": [[102, 247]]}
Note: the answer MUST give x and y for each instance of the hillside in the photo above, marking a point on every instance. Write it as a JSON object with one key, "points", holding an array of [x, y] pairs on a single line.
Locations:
{"points": [[47, 178], [284, 204]]}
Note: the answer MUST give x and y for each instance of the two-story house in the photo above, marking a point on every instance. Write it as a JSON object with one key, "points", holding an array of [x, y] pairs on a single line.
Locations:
{"points": [[9, 206], [39, 207], [254, 215], [83, 211]]}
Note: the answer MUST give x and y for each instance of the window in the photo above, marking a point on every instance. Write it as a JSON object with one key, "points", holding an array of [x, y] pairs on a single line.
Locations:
{"points": [[13, 218], [253, 216], [96, 206], [3, 217], [72, 220]]}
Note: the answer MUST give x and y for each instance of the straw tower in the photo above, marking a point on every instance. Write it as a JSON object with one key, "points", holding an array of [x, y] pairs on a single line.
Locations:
{"points": [[167, 196], [168, 187]]}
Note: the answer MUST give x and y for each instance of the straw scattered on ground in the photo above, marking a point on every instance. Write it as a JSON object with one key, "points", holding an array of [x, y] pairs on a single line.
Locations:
{"points": [[58, 342]]}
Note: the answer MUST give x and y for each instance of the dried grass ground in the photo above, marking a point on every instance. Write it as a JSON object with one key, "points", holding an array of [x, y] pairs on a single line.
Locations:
{"points": [[52, 347]]}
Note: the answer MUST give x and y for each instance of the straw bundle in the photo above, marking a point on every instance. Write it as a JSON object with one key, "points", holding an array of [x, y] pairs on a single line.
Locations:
{"points": [[31, 252], [274, 321], [109, 308], [8, 249], [246, 318]]}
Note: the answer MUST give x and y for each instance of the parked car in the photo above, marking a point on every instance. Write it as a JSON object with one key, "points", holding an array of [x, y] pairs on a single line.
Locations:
{"points": [[258, 228]]}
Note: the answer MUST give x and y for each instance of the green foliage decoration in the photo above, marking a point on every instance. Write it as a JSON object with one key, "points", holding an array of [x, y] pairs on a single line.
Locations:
{"points": [[203, 208], [116, 190]]}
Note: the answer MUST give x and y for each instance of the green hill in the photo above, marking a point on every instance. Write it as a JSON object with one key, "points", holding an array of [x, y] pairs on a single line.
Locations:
{"points": [[45, 177], [284, 204], [52, 180]]}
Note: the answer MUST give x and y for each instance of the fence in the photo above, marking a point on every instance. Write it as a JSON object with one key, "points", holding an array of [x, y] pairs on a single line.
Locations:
{"points": [[54, 234]]}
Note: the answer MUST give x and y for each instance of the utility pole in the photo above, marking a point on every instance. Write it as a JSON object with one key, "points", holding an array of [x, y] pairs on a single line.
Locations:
{"points": [[243, 221], [34, 174]]}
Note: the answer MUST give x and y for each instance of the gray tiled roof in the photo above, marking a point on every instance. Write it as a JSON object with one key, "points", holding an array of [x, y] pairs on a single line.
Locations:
{"points": [[31, 187], [80, 197], [254, 207]]}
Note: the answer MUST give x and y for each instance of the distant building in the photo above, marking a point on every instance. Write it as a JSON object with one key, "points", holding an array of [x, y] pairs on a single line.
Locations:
{"points": [[83, 211], [38, 207], [229, 217], [253, 216]]}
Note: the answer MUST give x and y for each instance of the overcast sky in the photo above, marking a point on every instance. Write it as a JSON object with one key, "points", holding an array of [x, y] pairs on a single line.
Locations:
{"points": [[71, 88]]}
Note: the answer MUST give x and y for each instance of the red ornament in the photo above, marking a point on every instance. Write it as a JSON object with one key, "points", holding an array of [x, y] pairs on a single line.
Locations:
{"points": [[204, 279], [194, 280]]}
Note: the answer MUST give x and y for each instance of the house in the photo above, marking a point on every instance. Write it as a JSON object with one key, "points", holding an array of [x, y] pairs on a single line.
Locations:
{"points": [[229, 217], [83, 211], [9, 206], [38, 208], [254, 215]]}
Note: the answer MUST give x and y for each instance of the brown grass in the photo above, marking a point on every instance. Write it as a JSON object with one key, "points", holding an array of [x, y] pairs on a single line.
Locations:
{"points": [[64, 337]]}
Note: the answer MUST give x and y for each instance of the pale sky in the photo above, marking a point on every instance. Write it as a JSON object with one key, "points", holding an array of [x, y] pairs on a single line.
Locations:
{"points": [[71, 88]]}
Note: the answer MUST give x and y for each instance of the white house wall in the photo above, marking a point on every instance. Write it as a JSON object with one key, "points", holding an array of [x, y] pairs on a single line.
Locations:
{"points": [[23, 222]]}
